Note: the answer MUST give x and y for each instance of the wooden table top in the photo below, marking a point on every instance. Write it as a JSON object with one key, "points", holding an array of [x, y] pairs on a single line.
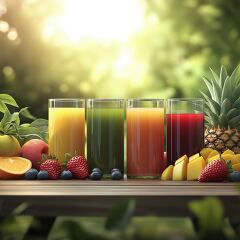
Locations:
{"points": [[96, 198], [113, 188]]}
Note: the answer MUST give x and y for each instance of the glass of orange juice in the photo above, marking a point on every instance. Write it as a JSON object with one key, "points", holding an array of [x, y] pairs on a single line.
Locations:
{"points": [[145, 138], [66, 127]]}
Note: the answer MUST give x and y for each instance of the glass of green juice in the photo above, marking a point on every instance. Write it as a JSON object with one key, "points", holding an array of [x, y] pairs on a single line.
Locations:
{"points": [[105, 134]]}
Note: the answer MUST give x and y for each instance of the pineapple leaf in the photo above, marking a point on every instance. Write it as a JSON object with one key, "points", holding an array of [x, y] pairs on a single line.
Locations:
{"points": [[226, 106], [213, 116], [234, 122], [216, 77], [227, 89], [209, 121], [232, 113], [216, 92], [214, 89], [223, 120], [214, 106], [223, 75], [236, 93], [209, 86], [235, 76], [236, 104]]}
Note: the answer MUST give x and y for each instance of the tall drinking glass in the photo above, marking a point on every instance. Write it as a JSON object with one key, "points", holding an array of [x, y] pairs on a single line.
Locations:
{"points": [[66, 127], [185, 127], [105, 134], [145, 138]]}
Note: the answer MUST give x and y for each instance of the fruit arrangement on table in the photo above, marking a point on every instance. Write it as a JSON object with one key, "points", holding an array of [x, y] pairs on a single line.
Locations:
{"points": [[24, 149], [207, 166]]}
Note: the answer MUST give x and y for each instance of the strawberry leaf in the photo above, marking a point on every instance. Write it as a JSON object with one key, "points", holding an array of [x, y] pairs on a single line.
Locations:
{"points": [[44, 157], [229, 166], [67, 157]]}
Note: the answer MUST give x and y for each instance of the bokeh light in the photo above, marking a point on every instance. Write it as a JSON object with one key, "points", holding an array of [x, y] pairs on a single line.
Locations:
{"points": [[101, 20]]}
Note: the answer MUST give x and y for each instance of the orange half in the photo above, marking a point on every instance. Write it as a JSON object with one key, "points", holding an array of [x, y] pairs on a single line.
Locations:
{"points": [[13, 167]]}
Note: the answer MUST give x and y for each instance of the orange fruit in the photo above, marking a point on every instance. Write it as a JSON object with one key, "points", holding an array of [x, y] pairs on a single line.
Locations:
{"points": [[13, 167]]}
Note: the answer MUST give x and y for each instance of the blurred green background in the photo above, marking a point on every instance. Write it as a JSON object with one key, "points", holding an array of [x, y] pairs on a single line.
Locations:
{"points": [[114, 48]]}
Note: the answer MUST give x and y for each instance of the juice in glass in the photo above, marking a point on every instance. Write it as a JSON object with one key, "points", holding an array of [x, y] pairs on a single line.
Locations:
{"points": [[145, 138], [66, 127], [105, 134], [185, 128]]}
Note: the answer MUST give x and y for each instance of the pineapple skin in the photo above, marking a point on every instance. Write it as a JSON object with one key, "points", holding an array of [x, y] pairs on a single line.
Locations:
{"points": [[222, 139]]}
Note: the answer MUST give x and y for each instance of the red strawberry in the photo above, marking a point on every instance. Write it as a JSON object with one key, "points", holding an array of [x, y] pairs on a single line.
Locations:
{"points": [[53, 168], [78, 166], [215, 171]]}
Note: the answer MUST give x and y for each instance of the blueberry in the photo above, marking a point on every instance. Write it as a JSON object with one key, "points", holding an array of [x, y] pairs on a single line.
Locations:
{"points": [[116, 175], [97, 170], [95, 176], [31, 174], [114, 170], [66, 175], [42, 175], [235, 176]]}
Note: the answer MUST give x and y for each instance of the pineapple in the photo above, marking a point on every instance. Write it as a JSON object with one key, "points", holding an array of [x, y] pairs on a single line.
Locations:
{"points": [[222, 111]]}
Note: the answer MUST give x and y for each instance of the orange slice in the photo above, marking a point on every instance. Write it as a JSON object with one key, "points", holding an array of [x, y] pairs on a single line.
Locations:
{"points": [[13, 167]]}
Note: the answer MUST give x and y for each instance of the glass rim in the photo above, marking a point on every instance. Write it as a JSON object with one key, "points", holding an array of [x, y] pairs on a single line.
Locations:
{"points": [[66, 99], [145, 99], [105, 99], [184, 99]]}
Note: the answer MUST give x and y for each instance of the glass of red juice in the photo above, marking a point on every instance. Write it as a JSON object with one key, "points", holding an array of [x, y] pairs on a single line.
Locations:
{"points": [[185, 127], [145, 138]]}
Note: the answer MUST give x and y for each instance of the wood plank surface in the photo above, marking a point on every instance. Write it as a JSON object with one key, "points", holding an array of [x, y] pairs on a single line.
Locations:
{"points": [[96, 198], [112, 188]]}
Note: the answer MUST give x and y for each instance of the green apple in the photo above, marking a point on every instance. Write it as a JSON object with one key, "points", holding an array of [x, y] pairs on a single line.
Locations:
{"points": [[9, 146]]}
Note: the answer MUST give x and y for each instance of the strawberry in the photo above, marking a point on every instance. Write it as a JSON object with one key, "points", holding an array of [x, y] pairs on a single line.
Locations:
{"points": [[53, 168], [215, 171], [78, 166]]}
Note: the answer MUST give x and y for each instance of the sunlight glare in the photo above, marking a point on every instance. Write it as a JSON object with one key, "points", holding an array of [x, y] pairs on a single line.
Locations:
{"points": [[95, 19]]}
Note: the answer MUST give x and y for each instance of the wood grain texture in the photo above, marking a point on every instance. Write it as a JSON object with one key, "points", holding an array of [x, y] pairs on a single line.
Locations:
{"points": [[96, 198], [113, 188]]}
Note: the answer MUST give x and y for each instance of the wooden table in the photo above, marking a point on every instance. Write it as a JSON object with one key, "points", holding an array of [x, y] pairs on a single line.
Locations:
{"points": [[96, 198]]}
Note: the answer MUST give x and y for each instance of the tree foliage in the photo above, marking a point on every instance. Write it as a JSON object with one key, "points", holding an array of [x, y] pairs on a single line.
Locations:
{"points": [[167, 58]]}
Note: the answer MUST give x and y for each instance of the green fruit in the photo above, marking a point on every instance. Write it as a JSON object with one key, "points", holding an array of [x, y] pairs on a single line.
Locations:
{"points": [[9, 146]]}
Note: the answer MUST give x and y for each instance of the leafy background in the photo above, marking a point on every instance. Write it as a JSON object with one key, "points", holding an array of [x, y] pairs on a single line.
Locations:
{"points": [[176, 44]]}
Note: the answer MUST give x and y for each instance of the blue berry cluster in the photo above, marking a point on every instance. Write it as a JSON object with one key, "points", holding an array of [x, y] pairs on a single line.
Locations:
{"points": [[116, 174], [96, 174], [234, 176], [33, 174]]}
